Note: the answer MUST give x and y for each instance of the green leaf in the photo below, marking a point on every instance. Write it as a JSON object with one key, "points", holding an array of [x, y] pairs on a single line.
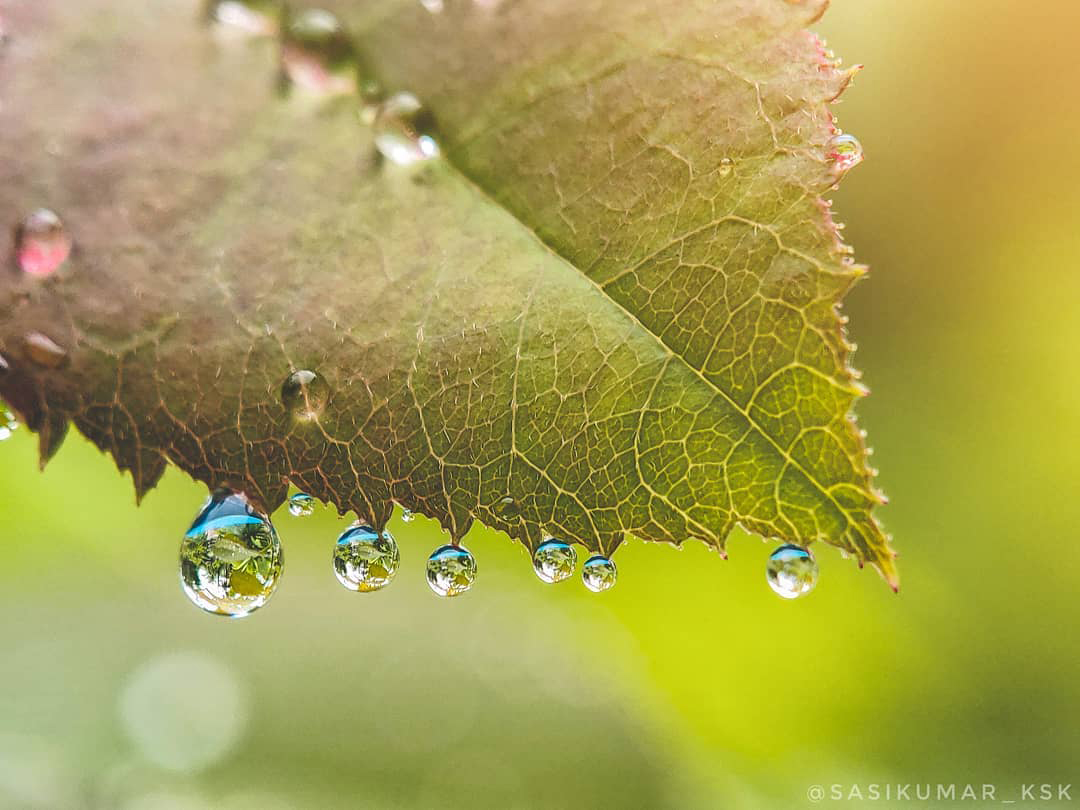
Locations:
{"points": [[613, 299]]}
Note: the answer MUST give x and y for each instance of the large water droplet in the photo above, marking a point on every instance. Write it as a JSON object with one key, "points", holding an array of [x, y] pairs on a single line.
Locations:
{"points": [[844, 151], [554, 560], [792, 571], [248, 18], [230, 559], [365, 560], [44, 351], [8, 422], [301, 505], [42, 243], [317, 54], [304, 395], [404, 130], [451, 570], [598, 573]]}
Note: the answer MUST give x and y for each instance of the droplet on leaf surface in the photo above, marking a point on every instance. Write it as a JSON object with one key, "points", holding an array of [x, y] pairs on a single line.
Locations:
{"points": [[247, 18], [451, 570], [8, 422], [42, 243], [301, 505], [317, 54], [43, 351], [364, 559], [407, 516], [404, 130], [844, 151], [304, 395], [598, 573], [230, 558], [792, 571], [554, 561]]}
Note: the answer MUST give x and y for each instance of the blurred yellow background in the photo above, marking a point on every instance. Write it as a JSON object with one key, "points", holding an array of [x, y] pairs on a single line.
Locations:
{"points": [[690, 684]]}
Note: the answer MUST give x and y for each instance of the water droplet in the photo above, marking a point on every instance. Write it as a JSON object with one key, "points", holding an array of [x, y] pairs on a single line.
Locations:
{"points": [[451, 570], [726, 166], [407, 516], [301, 505], [434, 6], [8, 422], [403, 130], [598, 573], [844, 151], [248, 18], [42, 243], [507, 508], [792, 571], [305, 394], [317, 54], [365, 560], [554, 560], [44, 351], [230, 558]]}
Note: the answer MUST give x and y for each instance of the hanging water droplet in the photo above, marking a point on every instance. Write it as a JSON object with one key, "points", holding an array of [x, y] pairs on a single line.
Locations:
{"points": [[44, 351], [230, 558], [301, 505], [42, 243], [598, 573], [434, 6], [451, 570], [403, 130], [792, 571], [8, 422], [554, 560], [317, 54], [248, 18], [407, 516], [844, 151], [364, 559], [305, 394], [507, 508]]}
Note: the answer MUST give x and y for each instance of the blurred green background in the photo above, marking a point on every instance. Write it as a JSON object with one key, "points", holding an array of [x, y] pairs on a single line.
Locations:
{"points": [[690, 684]]}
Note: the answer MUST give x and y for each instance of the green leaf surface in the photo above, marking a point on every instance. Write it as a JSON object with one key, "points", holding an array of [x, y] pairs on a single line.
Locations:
{"points": [[613, 299]]}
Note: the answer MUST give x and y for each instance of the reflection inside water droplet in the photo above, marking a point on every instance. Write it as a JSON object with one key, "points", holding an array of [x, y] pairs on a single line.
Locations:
{"points": [[304, 395], [248, 18], [792, 571], [8, 422], [451, 570], [301, 505], [317, 54], [44, 351], [365, 560], [404, 130], [230, 558], [598, 573], [844, 151], [554, 561], [42, 243]]}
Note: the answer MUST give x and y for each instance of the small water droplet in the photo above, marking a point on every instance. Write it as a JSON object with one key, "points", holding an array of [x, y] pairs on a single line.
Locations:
{"points": [[451, 570], [404, 130], [301, 505], [598, 573], [230, 558], [554, 561], [844, 151], [726, 166], [792, 571], [44, 351], [42, 243], [434, 6], [407, 516], [507, 508], [247, 18], [365, 560], [317, 54], [8, 422], [305, 394]]}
